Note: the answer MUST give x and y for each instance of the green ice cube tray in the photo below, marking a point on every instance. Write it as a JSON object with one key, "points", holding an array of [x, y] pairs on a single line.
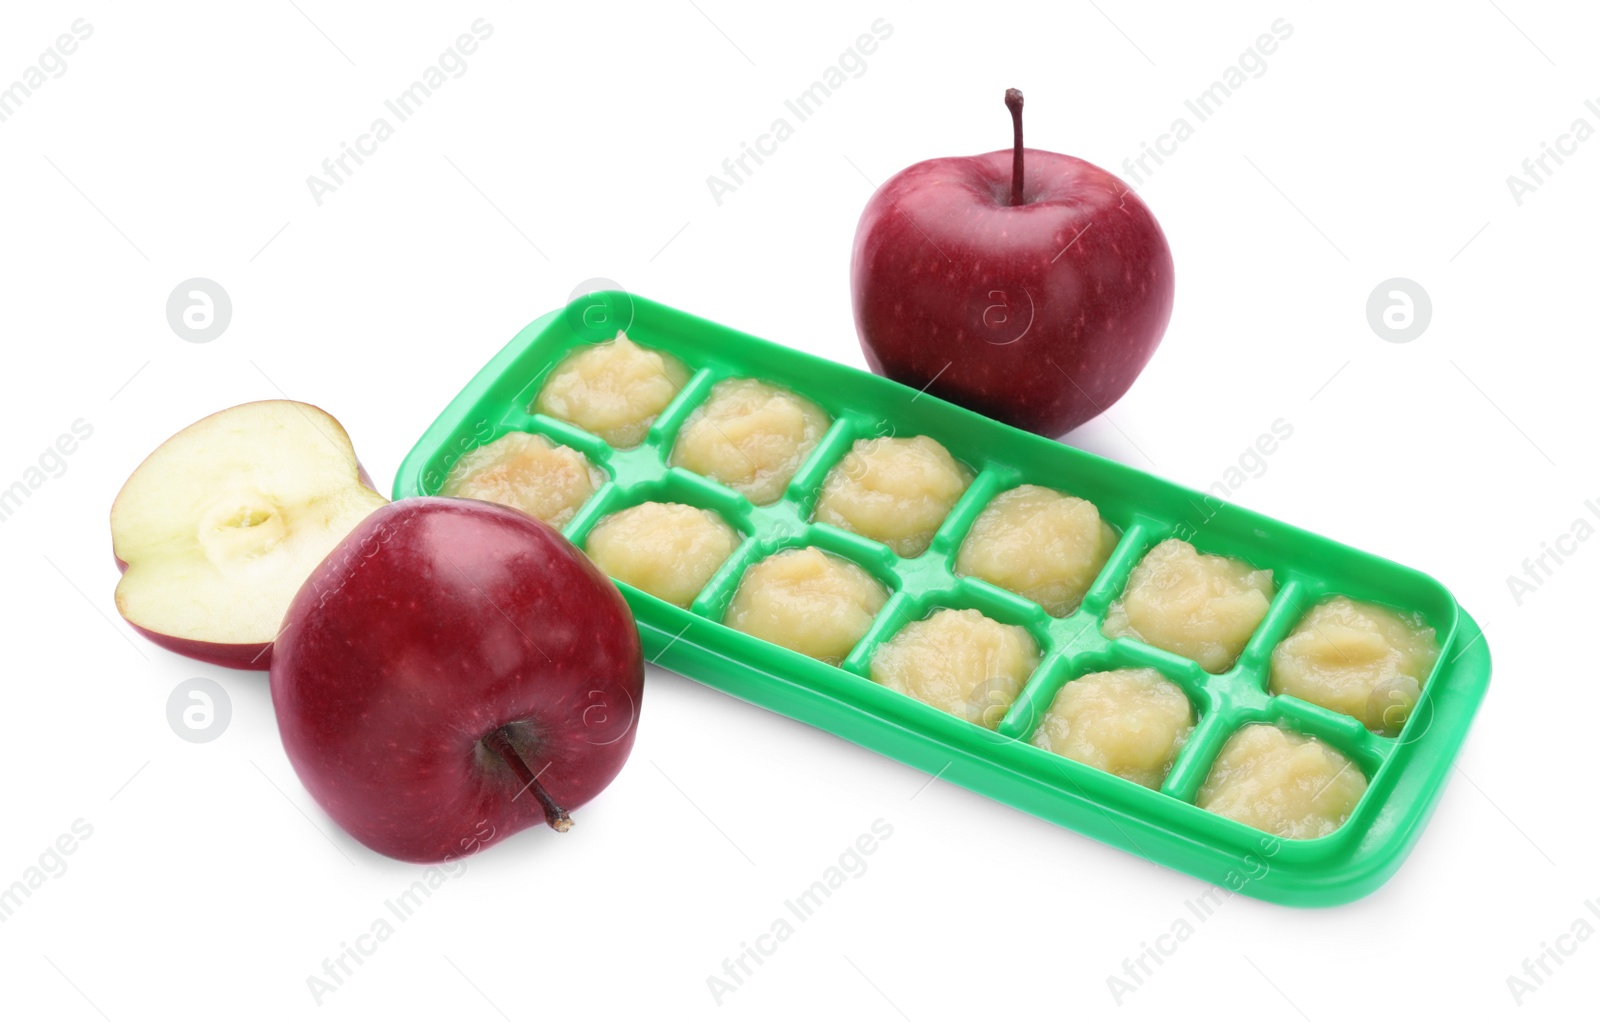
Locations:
{"points": [[1406, 773]]}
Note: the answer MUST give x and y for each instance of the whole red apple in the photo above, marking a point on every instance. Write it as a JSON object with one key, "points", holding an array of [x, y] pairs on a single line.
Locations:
{"points": [[452, 673], [1027, 285]]}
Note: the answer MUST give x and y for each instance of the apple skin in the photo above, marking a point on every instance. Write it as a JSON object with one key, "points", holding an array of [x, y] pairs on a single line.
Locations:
{"points": [[239, 656], [245, 656], [1040, 315], [436, 622]]}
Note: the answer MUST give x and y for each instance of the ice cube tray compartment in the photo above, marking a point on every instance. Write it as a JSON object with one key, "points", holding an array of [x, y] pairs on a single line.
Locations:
{"points": [[1405, 773]]}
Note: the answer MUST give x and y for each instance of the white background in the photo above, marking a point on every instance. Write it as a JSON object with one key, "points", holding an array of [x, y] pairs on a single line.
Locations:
{"points": [[1376, 144]]}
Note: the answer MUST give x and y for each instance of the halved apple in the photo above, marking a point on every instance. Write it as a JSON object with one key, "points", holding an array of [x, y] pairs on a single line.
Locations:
{"points": [[218, 528]]}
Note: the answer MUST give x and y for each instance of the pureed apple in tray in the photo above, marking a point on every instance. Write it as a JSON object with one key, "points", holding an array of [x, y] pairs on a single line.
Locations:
{"points": [[1361, 771]]}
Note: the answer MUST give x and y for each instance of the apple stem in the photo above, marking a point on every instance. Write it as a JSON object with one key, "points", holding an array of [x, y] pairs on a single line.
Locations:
{"points": [[500, 744], [1014, 104]]}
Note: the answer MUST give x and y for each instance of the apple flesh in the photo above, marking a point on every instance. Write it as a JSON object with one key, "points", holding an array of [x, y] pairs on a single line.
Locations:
{"points": [[454, 672], [218, 527], [1036, 305]]}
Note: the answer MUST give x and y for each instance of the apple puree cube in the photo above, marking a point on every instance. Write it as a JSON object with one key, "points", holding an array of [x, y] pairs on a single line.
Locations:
{"points": [[808, 601], [750, 436], [896, 491], [614, 389], [667, 550], [1284, 783], [1359, 659], [527, 472], [959, 661], [1200, 606], [1038, 543], [1129, 722]]}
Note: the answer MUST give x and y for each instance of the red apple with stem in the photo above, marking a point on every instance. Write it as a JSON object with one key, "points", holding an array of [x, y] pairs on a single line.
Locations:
{"points": [[454, 672], [1027, 285]]}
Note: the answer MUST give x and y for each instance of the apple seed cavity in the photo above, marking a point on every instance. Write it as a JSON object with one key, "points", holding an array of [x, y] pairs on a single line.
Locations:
{"points": [[240, 527]]}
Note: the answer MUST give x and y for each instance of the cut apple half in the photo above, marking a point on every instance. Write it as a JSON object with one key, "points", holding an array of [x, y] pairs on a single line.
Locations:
{"points": [[218, 528]]}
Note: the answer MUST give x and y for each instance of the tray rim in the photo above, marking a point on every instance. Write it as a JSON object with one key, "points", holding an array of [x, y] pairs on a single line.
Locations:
{"points": [[1294, 880]]}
